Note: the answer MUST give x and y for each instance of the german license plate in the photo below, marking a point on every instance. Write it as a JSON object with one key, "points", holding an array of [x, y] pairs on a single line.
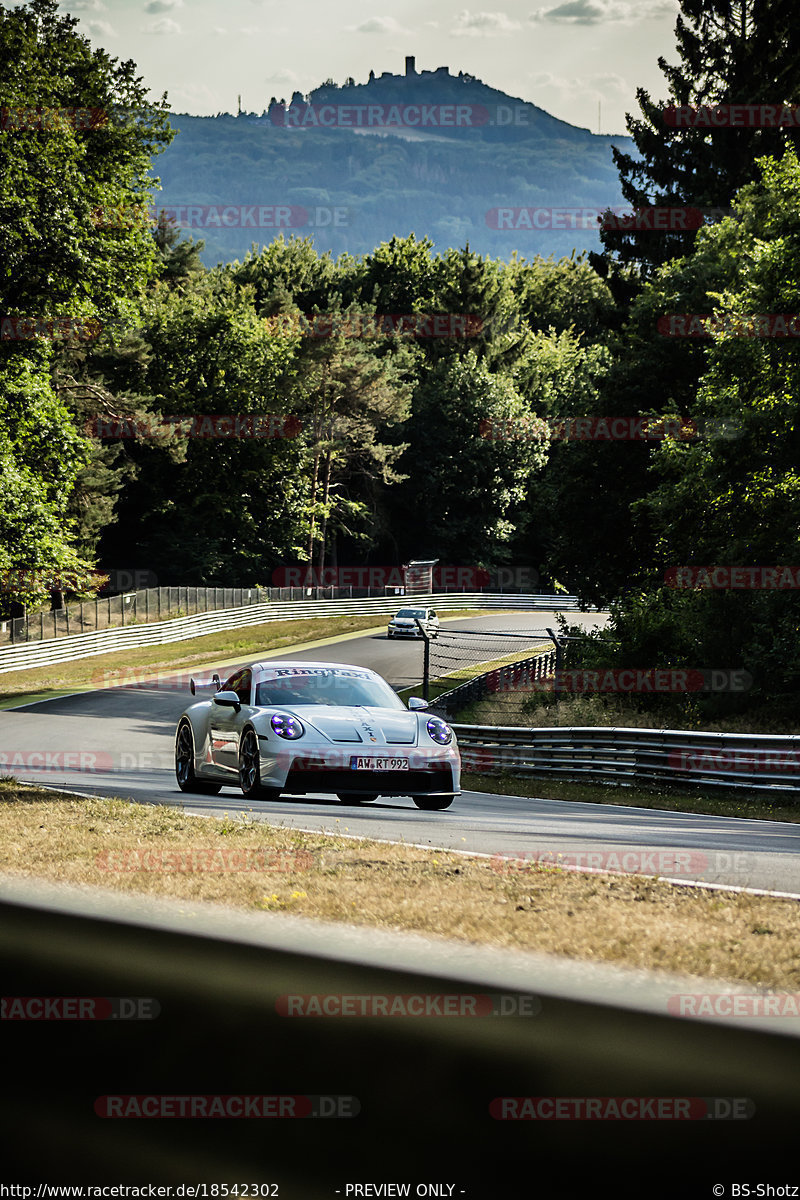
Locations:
{"points": [[378, 764]]}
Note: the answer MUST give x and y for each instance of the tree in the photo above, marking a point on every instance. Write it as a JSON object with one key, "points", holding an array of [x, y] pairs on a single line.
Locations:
{"points": [[465, 488], [730, 498], [75, 155], [205, 508], [731, 52], [353, 391]]}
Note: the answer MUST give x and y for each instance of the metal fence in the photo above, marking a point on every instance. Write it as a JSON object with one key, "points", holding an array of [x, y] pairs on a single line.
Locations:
{"points": [[152, 605], [525, 674], [154, 633], [452, 656], [760, 762]]}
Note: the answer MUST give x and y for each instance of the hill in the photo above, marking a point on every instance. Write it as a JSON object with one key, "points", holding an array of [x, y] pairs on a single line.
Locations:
{"points": [[436, 154]]}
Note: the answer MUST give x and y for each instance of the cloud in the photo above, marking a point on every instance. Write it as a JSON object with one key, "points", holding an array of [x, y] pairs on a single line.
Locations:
{"points": [[380, 25], [603, 83], [158, 6], [99, 29], [285, 75], [163, 25], [598, 12], [484, 24], [195, 97], [83, 5]]}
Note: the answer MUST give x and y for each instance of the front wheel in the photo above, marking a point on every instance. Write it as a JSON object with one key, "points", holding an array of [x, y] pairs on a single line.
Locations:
{"points": [[357, 797], [433, 803], [184, 765], [250, 770]]}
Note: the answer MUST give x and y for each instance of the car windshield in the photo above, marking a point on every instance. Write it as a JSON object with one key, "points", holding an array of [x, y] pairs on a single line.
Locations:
{"points": [[294, 686], [412, 612]]}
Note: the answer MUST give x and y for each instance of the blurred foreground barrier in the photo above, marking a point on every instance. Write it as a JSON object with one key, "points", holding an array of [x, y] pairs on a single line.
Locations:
{"points": [[429, 1097]]}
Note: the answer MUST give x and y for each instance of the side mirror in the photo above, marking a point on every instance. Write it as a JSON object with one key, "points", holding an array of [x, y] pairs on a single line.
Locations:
{"points": [[228, 700], [192, 688], [415, 702]]}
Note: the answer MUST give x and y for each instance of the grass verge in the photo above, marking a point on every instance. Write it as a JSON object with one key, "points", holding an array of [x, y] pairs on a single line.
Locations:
{"points": [[631, 920], [540, 707], [750, 805]]}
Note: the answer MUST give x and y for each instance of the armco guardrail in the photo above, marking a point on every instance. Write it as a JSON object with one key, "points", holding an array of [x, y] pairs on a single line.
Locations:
{"points": [[762, 762], [168, 603], [104, 641], [218, 984]]}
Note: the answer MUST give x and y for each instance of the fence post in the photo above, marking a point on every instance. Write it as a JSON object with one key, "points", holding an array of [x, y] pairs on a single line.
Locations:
{"points": [[559, 660], [426, 660]]}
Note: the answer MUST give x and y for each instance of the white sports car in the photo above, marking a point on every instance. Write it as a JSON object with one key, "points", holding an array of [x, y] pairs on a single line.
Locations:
{"points": [[404, 623], [296, 727]]}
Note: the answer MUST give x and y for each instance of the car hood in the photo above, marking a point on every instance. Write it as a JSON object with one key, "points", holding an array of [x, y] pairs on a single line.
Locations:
{"points": [[373, 726]]}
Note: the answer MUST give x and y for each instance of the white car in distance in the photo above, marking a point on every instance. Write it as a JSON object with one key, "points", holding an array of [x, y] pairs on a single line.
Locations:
{"points": [[404, 623]]}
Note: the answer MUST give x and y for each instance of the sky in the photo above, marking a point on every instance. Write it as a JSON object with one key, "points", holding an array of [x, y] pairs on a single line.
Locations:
{"points": [[568, 57]]}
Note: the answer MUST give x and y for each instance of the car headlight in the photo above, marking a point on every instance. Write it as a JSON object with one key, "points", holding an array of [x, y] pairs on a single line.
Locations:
{"points": [[286, 726], [439, 731]]}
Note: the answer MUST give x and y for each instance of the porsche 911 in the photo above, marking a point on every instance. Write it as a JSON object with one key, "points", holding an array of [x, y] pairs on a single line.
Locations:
{"points": [[294, 728]]}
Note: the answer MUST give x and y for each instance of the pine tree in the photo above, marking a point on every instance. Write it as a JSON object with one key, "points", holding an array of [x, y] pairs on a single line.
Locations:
{"points": [[743, 52]]}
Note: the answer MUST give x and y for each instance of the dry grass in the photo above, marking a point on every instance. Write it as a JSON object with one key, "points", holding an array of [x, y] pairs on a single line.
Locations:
{"points": [[633, 921]]}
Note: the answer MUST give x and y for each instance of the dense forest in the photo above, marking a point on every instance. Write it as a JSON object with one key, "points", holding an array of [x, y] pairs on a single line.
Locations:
{"points": [[424, 436]]}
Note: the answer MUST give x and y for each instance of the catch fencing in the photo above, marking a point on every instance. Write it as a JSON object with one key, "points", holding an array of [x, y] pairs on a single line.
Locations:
{"points": [[451, 680]]}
